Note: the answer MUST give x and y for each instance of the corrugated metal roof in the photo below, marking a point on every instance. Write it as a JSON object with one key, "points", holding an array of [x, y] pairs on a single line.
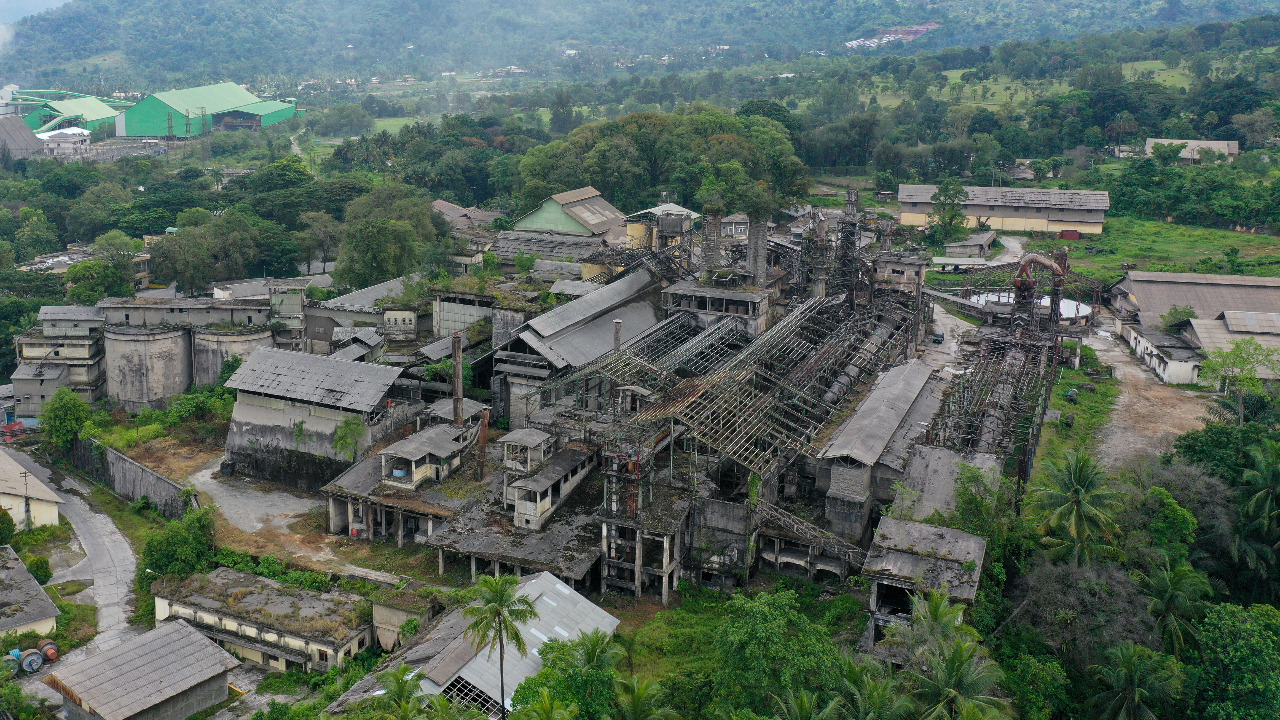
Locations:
{"points": [[22, 600], [21, 141], [667, 209], [209, 98], [264, 107], [595, 213], [865, 435], [69, 312], [443, 408], [365, 300], [89, 109], [526, 437], [439, 440], [587, 306], [38, 371], [1016, 197], [571, 196], [12, 482], [1252, 322], [551, 246], [1209, 295], [145, 671], [556, 467], [314, 379]]}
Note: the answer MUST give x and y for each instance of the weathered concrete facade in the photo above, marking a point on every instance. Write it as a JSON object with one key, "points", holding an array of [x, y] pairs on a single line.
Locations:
{"points": [[211, 347], [128, 479], [148, 365]]}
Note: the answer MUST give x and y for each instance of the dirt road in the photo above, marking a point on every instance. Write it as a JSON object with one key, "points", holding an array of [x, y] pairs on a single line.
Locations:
{"points": [[1148, 414]]}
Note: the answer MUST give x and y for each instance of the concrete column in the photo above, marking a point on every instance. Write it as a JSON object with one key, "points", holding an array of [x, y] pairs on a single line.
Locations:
{"points": [[440, 557], [604, 556], [351, 515], [777, 554], [518, 573], [473, 569], [399, 528], [430, 527], [639, 554], [497, 568], [333, 516]]}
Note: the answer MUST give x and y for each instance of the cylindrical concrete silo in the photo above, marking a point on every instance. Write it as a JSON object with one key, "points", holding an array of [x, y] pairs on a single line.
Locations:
{"points": [[210, 348], [146, 365]]}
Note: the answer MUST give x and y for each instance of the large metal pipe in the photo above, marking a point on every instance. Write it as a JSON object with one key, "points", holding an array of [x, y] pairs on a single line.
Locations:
{"points": [[457, 379]]}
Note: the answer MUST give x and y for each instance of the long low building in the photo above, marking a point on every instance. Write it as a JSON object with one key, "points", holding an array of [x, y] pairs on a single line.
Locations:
{"points": [[1015, 209]]}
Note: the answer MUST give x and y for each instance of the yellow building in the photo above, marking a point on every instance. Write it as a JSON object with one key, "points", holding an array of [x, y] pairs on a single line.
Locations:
{"points": [[28, 500], [1015, 210]]}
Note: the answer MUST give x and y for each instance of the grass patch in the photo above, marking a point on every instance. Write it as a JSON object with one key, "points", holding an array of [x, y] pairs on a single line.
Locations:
{"points": [[1164, 247], [70, 587], [134, 526], [414, 562], [39, 540], [77, 625], [392, 125], [1092, 410]]}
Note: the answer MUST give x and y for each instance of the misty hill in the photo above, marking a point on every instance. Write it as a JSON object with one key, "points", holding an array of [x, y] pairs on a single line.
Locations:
{"points": [[150, 43]]}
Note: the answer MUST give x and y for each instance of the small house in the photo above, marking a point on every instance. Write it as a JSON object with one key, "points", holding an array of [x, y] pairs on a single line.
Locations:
{"points": [[582, 212], [28, 500]]}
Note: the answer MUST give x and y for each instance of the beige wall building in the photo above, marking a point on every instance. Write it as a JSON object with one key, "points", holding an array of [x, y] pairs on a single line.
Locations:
{"points": [[1015, 209], [28, 500]]}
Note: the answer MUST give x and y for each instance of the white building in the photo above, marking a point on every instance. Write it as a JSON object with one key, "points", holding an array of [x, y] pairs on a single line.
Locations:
{"points": [[28, 500]]}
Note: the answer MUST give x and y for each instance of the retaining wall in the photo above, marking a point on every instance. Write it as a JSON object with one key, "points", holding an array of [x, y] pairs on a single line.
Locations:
{"points": [[127, 478]]}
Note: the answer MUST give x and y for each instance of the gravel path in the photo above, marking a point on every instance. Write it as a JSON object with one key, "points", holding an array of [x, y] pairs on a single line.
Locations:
{"points": [[248, 505]]}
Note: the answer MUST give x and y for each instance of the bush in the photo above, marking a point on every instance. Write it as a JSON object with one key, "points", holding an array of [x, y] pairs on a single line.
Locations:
{"points": [[7, 527], [38, 566]]}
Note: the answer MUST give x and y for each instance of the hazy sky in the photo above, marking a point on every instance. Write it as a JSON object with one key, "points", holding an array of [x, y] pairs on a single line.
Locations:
{"points": [[11, 10]]}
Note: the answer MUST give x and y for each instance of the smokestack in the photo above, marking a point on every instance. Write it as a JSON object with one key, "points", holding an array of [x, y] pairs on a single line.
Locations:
{"points": [[711, 243], [457, 379], [617, 335], [758, 251], [851, 201]]}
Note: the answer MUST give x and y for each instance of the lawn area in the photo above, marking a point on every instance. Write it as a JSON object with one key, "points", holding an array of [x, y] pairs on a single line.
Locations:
{"points": [[1164, 246], [1178, 77], [1091, 411], [391, 125]]}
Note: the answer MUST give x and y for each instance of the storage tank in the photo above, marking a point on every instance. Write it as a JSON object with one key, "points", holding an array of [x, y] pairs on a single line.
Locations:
{"points": [[146, 365], [210, 348]]}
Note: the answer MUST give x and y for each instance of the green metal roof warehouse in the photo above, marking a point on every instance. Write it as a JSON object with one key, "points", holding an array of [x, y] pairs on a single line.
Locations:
{"points": [[196, 111]]}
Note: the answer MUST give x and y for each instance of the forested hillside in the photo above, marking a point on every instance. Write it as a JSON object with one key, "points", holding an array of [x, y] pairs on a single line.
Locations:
{"points": [[152, 44]]}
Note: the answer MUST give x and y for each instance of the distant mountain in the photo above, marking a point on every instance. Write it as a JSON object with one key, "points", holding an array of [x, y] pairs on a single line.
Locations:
{"points": [[151, 44]]}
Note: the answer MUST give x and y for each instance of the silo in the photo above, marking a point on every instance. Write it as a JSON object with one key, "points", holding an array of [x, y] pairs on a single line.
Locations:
{"points": [[210, 348], [146, 365]]}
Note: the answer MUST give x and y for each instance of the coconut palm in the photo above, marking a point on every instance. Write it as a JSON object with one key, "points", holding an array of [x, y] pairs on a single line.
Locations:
{"points": [[439, 707], [805, 705], [639, 699], [546, 708], [935, 620], [1174, 601], [1138, 681], [598, 651], [495, 621], [400, 684], [1077, 507], [1260, 485], [957, 678], [871, 693]]}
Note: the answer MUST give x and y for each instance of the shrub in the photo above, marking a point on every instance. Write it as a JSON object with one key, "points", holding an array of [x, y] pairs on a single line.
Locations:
{"points": [[7, 527], [38, 566]]}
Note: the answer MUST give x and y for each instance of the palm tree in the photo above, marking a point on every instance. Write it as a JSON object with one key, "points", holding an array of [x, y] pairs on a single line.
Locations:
{"points": [[495, 621], [598, 651], [1076, 503], [935, 620], [1260, 484], [958, 678], [639, 699], [546, 708], [805, 706], [400, 683], [871, 693], [439, 707], [1174, 601], [1136, 680]]}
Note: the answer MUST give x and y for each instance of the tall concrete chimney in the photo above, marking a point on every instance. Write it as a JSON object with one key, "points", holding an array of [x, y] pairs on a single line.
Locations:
{"points": [[758, 251], [711, 243], [457, 379], [617, 335]]}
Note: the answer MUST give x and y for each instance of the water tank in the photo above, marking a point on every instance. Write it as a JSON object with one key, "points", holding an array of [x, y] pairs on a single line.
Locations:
{"points": [[146, 365], [210, 348]]}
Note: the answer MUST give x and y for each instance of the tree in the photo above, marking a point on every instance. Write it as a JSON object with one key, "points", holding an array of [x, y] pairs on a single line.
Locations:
{"points": [[957, 679], [804, 705], [495, 621], [1166, 154], [947, 221], [322, 235], [62, 418], [1235, 369], [1175, 603], [91, 280], [1074, 502], [1257, 127], [179, 548], [768, 647], [1236, 674], [546, 708], [639, 699], [1260, 485], [7, 527], [375, 250], [342, 120], [38, 566], [870, 692], [6, 255], [1137, 682], [346, 439], [439, 707], [1122, 126], [1177, 315], [935, 621], [579, 671], [118, 250], [35, 235]]}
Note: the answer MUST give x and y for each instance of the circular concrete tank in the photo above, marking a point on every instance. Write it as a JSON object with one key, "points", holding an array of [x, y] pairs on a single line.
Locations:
{"points": [[146, 365], [210, 348]]}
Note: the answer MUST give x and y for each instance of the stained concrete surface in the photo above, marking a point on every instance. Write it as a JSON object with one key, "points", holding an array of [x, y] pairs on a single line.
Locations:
{"points": [[109, 561], [250, 504]]}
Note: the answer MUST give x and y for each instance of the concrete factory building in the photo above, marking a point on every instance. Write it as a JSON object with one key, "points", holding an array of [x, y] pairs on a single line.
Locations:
{"points": [[195, 111], [169, 673], [1015, 209]]}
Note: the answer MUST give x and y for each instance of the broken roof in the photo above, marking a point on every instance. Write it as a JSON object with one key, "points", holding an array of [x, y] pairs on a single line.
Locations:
{"points": [[438, 440], [22, 600], [667, 209], [142, 672], [315, 379], [321, 616], [602, 299], [932, 473], [366, 299], [443, 408], [692, 287], [590, 209], [554, 469], [580, 331], [926, 557], [866, 434], [550, 246], [1015, 197], [13, 482]]}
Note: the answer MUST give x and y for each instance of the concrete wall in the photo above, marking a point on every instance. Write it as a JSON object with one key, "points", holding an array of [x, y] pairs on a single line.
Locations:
{"points": [[127, 478], [44, 627], [181, 706], [450, 317], [43, 512], [505, 323], [266, 440], [1177, 372], [146, 367], [210, 348]]}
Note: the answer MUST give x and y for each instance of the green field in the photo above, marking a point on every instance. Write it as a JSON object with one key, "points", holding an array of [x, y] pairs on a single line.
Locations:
{"points": [[1178, 77], [1165, 247], [392, 124]]}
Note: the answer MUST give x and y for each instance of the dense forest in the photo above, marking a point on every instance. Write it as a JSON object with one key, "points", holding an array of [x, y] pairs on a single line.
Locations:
{"points": [[147, 43]]}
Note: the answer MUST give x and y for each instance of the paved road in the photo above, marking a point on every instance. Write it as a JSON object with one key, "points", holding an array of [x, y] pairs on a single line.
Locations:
{"points": [[1012, 251], [251, 506], [109, 562]]}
